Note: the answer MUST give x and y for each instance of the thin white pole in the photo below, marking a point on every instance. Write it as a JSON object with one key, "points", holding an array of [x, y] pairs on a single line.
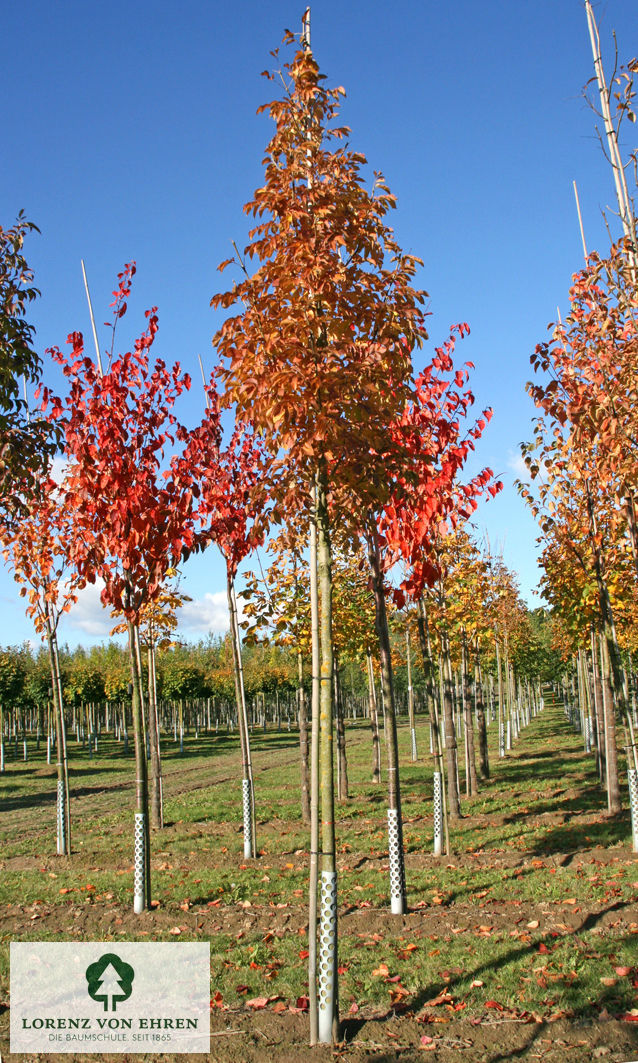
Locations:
{"points": [[88, 297], [580, 221]]}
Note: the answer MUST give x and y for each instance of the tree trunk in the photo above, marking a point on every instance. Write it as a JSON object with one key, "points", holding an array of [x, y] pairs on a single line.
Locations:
{"points": [[142, 887], [313, 886], [599, 711], [611, 748], [157, 804], [374, 721], [302, 712], [484, 762], [395, 825], [435, 722], [606, 612], [328, 953], [454, 804], [410, 697], [248, 797], [342, 760], [63, 791], [471, 783]]}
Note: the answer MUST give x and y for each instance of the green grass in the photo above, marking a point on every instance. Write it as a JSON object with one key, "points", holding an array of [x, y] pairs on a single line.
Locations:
{"points": [[527, 906]]}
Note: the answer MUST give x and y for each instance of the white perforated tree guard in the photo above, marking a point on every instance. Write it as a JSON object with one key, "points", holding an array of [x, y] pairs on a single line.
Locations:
{"points": [[61, 819], [248, 827], [397, 871], [139, 873], [327, 955], [632, 775], [414, 750], [438, 813]]}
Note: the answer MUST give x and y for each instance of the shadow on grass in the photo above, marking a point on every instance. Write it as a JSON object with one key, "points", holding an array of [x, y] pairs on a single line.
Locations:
{"points": [[49, 797], [607, 999], [578, 838]]}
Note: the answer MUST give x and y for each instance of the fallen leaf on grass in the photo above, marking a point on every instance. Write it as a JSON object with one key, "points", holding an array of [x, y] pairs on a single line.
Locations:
{"points": [[622, 972], [175, 930], [608, 981], [398, 993], [477, 983], [382, 971], [443, 998], [533, 924], [279, 1007], [257, 1003], [494, 1004]]}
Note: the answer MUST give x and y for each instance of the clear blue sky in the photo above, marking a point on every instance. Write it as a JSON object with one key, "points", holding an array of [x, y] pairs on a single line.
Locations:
{"points": [[129, 132]]}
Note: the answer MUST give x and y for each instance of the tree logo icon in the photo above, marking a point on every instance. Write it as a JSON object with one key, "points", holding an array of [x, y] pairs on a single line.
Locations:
{"points": [[110, 979]]}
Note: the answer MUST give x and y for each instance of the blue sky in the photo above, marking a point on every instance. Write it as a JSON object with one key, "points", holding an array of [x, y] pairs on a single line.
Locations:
{"points": [[129, 132]]}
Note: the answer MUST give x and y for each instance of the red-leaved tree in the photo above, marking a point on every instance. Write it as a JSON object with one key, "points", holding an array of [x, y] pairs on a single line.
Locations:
{"points": [[132, 506]]}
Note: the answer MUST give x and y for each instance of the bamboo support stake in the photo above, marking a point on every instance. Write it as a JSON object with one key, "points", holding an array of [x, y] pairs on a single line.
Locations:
{"points": [[620, 181], [314, 785], [580, 221], [88, 299], [410, 696]]}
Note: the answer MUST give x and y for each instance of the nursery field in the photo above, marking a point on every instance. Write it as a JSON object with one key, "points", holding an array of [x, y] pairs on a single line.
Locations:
{"points": [[521, 944]]}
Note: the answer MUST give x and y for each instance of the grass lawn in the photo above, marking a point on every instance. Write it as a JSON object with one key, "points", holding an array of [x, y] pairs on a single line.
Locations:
{"points": [[521, 944]]}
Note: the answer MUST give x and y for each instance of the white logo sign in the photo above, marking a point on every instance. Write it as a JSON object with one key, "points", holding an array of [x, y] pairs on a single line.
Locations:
{"points": [[110, 997]]}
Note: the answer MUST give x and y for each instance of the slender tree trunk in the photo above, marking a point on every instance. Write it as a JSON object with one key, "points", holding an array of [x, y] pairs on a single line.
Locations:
{"points": [[435, 722], [471, 781], [454, 804], [63, 790], [599, 711], [484, 762], [342, 759], [142, 890], [410, 696], [395, 824], [374, 721], [611, 748], [302, 712], [248, 798], [157, 805], [620, 692], [328, 956], [501, 707], [313, 887]]}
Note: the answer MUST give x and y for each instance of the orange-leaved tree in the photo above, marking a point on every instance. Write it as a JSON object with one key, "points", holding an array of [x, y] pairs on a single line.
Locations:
{"points": [[36, 548], [319, 361]]}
